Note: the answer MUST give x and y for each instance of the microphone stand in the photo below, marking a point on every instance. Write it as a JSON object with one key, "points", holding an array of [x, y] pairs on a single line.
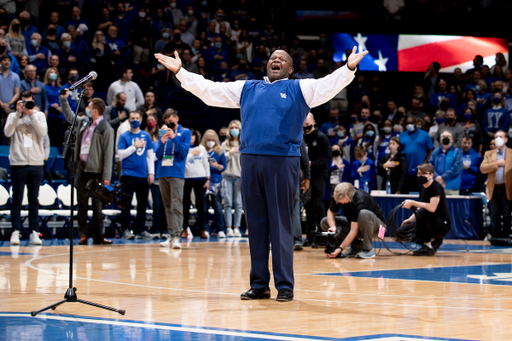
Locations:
{"points": [[70, 295]]}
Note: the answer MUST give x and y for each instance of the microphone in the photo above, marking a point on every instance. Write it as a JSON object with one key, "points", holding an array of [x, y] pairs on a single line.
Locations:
{"points": [[91, 76]]}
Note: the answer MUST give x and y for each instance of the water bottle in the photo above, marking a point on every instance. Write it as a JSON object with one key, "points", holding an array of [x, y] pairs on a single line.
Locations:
{"points": [[366, 187], [388, 187]]}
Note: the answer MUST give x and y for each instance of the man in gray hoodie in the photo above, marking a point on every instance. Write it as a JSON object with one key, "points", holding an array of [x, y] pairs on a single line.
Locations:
{"points": [[26, 128], [94, 153]]}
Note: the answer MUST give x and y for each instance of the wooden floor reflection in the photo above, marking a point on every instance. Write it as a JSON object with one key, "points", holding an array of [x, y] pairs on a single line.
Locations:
{"points": [[200, 286]]}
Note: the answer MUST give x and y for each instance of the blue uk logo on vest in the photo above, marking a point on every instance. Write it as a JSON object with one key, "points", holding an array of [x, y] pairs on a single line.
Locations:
{"points": [[493, 274]]}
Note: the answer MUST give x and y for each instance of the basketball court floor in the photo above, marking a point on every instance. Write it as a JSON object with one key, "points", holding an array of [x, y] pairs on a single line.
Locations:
{"points": [[463, 293]]}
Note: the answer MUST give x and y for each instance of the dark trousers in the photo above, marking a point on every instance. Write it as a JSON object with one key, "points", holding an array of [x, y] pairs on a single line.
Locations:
{"points": [[159, 219], [140, 187], [21, 176], [199, 190], [500, 212], [428, 225], [268, 184], [412, 183], [315, 207], [218, 214], [82, 178]]}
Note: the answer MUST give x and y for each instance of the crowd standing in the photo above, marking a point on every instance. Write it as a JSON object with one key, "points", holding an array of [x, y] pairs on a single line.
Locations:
{"points": [[451, 120]]}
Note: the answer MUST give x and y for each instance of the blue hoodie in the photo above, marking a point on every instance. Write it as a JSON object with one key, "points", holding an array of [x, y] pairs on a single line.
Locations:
{"points": [[470, 175], [448, 166], [178, 147]]}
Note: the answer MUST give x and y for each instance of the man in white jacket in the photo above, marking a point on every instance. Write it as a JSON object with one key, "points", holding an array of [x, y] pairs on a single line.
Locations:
{"points": [[26, 128]]}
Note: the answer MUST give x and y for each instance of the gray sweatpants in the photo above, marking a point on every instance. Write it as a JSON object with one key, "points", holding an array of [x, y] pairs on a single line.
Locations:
{"points": [[368, 227], [171, 190]]}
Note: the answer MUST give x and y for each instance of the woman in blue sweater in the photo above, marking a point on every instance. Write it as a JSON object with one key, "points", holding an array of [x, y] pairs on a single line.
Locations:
{"points": [[213, 196]]}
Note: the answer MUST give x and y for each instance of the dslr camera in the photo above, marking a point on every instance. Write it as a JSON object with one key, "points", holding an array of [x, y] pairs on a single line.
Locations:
{"points": [[108, 194], [29, 104]]}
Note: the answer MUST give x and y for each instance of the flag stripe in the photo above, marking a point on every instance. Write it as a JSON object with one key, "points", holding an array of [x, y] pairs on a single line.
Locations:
{"points": [[448, 53]]}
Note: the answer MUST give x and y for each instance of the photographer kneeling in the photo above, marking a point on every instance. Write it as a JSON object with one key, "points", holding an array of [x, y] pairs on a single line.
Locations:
{"points": [[433, 216], [94, 153], [364, 215]]}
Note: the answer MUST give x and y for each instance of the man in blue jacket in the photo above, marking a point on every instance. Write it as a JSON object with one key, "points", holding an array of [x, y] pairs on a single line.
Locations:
{"points": [[273, 112], [171, 152], [447, 162], [471, 161]]}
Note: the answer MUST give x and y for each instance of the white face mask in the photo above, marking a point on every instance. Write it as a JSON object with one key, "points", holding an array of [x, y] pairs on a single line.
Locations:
{"points": [[499, 142], [210, 144]]}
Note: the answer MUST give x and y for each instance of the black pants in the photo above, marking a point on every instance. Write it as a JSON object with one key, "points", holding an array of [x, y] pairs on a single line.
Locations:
{"points": [[199, 190], [30, 176], [315, 207], [140, 187], [82, 177], [500, 212], [427, 226], [159, 218], [412, 183]]}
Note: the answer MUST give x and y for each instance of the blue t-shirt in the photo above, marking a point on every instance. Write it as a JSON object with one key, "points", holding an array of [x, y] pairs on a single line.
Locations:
{"points": [[415, 146], [368, 176], [136, 164]]}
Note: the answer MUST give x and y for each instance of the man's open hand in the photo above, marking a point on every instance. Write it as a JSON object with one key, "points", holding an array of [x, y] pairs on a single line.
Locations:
{"points": [[355, 58], [173, 64]]}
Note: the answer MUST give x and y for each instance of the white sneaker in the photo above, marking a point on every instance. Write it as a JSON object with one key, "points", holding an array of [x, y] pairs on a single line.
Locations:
{"points": [[221, 234], [165, 236], [229, 232], [176, 243], [146, 235], [34, 239], [128, 234], [237, 232], [15, 238], [167, 243], [207, 234]]}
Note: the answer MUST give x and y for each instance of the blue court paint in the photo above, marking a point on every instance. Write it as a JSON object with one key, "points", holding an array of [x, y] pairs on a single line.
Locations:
{"points": [[55, 327], [495, 274], [7, 253]]}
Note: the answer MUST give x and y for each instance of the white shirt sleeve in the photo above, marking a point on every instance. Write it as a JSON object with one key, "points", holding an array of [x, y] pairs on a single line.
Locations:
{"points": [[150, 158], [320, 91], [215, 94], [124, 153]]}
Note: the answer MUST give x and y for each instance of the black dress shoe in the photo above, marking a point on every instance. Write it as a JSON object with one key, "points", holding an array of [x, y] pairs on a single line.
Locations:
{"points": [[436, 244], [285, 295], [255, 294], [424, 251], [102, 240]]}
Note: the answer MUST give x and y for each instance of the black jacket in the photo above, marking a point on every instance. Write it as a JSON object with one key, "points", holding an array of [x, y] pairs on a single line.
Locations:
{"points": [[397, 175], [319, 152]]}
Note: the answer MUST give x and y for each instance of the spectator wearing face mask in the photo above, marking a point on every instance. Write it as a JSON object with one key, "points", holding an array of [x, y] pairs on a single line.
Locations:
{"points": [[472, 129], [356, 127], [470, 97], [140, 39], [418, 148], [346, 143], [495, 118], [73, 95], [231, 180], [369, 141], [38, 55], [216, 55], [394, 168], [339, 169], [415, 111], [383, 148], [174, 14], [330, 128], [363, 169], [471, 176], [450, 125], [447, 162]]}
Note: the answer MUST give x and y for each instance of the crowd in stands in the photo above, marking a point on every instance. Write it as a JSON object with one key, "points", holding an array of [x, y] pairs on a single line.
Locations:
{"points": [[373, 142]]}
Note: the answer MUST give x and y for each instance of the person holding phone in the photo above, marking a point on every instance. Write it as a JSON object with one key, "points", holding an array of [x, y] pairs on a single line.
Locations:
{"points": [[273, 112]]}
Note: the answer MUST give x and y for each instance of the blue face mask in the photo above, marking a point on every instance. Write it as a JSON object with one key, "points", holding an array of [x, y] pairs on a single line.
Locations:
{"points": [[340, 133], [353, 119], [66, 44], [135, 124], [88, 112], [218, 46], [467, 116], [496, 100], [194, 51], [234, 132], [52, 77], [364, 119], [239, 56], [370, 133], [165, 35], [439, 120]]}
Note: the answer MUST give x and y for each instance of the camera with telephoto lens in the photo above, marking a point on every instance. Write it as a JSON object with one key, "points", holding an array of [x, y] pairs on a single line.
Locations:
{"points": [[29, 104], [108, 194]]}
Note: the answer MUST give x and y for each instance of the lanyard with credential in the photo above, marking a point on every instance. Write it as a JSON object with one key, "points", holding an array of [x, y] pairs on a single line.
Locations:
{"points": [[168, 160]]}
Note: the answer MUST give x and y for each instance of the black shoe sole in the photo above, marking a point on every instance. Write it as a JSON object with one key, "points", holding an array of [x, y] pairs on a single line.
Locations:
{"points": [[261, 297], [284, 299]]}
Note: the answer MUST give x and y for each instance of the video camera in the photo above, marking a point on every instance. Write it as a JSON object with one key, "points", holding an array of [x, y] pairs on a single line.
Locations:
{"points": [[332, 241], [108, 194]]}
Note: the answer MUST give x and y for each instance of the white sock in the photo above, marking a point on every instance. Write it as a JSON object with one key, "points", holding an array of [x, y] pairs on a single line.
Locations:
{"points": [[429, 245]]}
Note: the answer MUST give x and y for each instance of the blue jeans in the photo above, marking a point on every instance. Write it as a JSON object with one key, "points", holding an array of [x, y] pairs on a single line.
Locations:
{"points": [[218, 218], [233, 199], [21, 176]]}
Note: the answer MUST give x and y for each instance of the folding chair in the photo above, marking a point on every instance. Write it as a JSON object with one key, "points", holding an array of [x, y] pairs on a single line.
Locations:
{"points": [[46, 198], [63, 194]]}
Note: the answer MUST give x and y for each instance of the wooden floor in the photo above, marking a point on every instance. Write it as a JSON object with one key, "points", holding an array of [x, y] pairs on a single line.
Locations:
{"points": [[454, 295]]}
